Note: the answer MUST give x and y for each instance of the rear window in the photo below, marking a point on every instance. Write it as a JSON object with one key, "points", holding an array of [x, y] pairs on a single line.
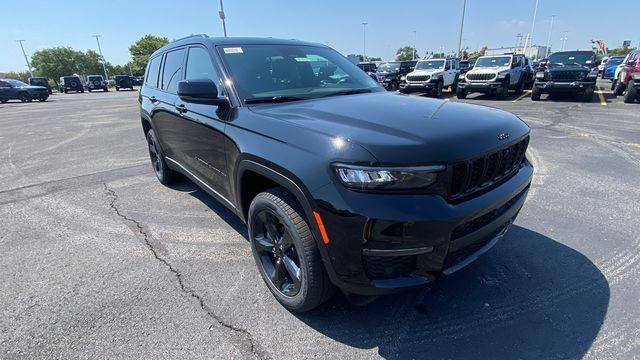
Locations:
{"points": [[152, 72], [172, 70]]}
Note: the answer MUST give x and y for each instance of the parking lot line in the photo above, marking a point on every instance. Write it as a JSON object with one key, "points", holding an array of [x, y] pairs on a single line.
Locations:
{"points": [[526, 93], [600, 93]]}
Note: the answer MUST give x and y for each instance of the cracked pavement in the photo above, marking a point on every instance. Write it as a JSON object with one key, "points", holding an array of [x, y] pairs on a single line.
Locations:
{"points": [[101, 261]]}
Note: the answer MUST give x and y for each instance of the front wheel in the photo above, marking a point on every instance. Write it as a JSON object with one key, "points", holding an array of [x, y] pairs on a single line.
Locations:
{"points": [[501, 93], [461, 93], [619, 89], [285, 251], [117, 88], [535, 94], [632, 93], [438, 92], [165, 175], [393, 86]]}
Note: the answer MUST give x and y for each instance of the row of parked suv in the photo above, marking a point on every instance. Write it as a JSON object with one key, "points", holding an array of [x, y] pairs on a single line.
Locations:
{"points": [[94, 82], [568, 72]]}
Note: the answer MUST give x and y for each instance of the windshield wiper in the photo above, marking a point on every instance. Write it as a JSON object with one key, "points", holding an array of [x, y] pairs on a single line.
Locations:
{"points": [[348, 92], [273, 99]]}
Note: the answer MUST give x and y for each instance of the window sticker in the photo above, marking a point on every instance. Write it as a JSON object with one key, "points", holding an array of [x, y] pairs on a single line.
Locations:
{"points": [[233, 50]]}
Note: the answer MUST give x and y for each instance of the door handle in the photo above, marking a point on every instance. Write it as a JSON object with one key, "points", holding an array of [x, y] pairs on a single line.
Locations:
{"points": [[153, 99], [182, 108]]}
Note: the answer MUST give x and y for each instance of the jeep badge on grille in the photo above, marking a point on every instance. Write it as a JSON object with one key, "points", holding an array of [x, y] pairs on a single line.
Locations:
{"points": [[503, 136]]}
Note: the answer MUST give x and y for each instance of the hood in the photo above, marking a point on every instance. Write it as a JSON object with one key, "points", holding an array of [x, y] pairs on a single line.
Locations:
{"points": [[489, 69], [426, 72], [403, 129]]}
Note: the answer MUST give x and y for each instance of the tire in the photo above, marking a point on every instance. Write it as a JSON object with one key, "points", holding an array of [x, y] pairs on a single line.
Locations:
{"points": [[461, 93], [66, 91], [535, 94], [117, 88], [393, 86], [632, 93], [43, 98], [588, 95], [165, 175], [501, 94], [619, 89], [454, 86], [24, 97], [105, 90], [438, 91], [82, 91], [520, 87], [294, 251], [89, 90], [613, 85]]}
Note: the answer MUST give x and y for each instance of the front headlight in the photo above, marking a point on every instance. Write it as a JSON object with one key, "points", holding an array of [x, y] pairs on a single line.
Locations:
{"points": [[540, 75], [502, 74], [403, 78], [373, 178], [593, 73]]}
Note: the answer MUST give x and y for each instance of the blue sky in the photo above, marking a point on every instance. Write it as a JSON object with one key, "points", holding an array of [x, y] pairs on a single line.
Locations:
{"points": [[45, 23]]}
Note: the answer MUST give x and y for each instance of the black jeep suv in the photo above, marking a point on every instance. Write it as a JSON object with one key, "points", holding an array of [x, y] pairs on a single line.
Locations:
{"points": [[96, 82], [40, 81], [339, 182], [15, 89], [569, 72], [123, 82], [391, 74], [70, 83]]}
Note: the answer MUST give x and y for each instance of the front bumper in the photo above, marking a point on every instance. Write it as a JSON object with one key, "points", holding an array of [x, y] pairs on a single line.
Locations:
{"points": [[381, 243], [483, 87], [417, 87], [546, 87]]}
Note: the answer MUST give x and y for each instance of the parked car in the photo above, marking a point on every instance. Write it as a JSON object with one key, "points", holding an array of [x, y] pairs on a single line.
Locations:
{"points": [[431, 76], [610, 70], [569, 72], [632, 92], [137, 80], [123, 82], [629, 67], [96, 82], [11, 89], [368, 67], [40, 81], [495, 75], [391, 74], [466, 65], [340, 183], [70, 83]]}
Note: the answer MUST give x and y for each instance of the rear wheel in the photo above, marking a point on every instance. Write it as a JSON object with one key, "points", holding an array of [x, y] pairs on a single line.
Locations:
{"points": [[393, 86], [285, 251], [461, 93], [165, 175], [24, 97], [632, 93], [117, 88], [89, 90], [43, 98]]}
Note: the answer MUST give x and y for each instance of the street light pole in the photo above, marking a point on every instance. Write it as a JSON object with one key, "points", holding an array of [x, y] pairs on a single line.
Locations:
{"points": [[104, 66], [25, 57], [364, 40], [549, 38], [564, 40], [464, 6], [533, 25], [414, 44], [223, 17]]}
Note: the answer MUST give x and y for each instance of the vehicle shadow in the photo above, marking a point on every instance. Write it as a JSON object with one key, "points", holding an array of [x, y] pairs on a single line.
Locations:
{"points": [[530, 297]]}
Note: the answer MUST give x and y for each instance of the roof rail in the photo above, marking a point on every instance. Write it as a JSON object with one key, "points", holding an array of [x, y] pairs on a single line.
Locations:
{"points": [[192, 36]]}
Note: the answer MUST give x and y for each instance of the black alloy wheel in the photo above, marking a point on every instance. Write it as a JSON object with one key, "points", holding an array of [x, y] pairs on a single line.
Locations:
{"points": [[278, 256], [24, 97], [164, 174], [632, 93]]}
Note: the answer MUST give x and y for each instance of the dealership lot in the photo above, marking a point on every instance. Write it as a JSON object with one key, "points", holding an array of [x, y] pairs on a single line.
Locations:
{"points": [[99, 260]]}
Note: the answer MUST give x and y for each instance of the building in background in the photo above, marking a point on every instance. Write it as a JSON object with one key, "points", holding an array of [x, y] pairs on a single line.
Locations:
{"points": [[533, 51]]}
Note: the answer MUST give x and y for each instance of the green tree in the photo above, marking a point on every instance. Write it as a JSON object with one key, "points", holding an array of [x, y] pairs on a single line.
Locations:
{"points": [[369, 58], [142, 49], [90, 63], [18, 75], [406, 53], [624, 50], [439, 55], [57, 61]]}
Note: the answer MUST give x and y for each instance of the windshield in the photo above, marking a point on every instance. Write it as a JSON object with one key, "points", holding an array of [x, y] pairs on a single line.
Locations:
{"points": [[39, 81], [614, 61], [569, 58], [389, 67], [430, 64], [493, 61], [294, 72], [16, 83]]}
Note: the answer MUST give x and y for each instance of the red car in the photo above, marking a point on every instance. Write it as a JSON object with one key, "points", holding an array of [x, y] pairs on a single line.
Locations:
{"points": [[626, 79]]}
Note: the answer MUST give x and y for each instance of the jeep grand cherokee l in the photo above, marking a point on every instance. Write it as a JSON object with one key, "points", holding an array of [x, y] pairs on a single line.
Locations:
{"points": [[340, 183], [15, 89], [569, 72]]}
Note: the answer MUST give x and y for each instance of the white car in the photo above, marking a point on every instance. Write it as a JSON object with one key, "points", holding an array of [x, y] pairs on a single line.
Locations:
{"points": [[496, 74], [431, 76]]}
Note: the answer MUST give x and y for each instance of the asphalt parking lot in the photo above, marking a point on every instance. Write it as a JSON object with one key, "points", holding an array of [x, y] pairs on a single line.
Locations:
{"points": [[99, 260]]}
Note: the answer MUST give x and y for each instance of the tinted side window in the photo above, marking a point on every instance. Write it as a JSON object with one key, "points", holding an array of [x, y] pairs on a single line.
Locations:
{"points": [[152, 72], [172, 70], [199, 66]]}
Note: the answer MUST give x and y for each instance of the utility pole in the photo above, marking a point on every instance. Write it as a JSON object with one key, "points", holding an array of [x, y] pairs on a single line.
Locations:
{"points": [[364, 40], [104, 66], [533, 25], [223, 17], [549, 38], [464, 6], [25, 57], [130, 71], [414, 44]]}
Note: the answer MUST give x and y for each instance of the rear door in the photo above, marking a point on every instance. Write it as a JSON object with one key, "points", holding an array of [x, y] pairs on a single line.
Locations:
{"points": [[5, 90], [201, 126]]}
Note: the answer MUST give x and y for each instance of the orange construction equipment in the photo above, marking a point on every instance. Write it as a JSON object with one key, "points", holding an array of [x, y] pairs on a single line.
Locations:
{"points": [[601, 46]]}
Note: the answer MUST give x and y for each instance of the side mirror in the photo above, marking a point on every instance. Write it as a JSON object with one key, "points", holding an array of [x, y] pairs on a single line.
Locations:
{"points": [[202, 91]]}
